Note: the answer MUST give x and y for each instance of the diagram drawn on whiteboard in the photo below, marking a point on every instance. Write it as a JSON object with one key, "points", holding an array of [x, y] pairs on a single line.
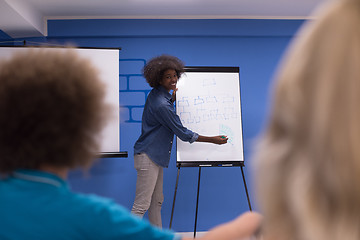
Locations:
{"points": [[204, 109]]}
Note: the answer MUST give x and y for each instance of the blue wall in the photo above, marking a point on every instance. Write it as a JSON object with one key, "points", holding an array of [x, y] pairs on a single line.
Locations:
{"points": [[5, 40], [253, 45]]}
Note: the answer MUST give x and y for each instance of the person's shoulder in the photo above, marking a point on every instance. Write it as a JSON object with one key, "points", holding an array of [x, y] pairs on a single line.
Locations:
{"points": [[158, 98], [93, 204]]}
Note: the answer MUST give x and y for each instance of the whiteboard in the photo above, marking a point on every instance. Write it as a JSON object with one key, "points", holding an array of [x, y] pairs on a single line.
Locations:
{"points": [[107, 63], [208, 103]]}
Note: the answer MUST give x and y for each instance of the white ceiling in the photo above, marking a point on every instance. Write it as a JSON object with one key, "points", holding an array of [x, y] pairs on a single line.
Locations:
{"points": [[26, 18]]}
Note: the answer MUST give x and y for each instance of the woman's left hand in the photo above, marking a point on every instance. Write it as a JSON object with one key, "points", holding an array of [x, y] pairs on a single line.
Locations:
{"points": [[173, 96]]}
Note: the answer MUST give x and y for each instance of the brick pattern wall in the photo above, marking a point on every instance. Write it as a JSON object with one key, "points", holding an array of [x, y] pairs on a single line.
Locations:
{"points": [[133, 90]]}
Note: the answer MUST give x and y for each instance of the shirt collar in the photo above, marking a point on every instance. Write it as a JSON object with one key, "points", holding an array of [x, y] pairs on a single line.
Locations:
{"points": [[39, 177]]}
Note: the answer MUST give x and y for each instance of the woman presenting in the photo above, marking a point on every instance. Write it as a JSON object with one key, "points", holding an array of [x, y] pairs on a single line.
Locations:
{"points": [[159, 124]]}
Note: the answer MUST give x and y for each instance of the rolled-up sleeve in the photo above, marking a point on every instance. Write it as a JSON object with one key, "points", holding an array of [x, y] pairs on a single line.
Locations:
{"points": [[194, 138]]}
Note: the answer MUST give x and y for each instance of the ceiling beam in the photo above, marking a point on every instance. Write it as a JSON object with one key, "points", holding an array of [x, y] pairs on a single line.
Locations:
{"points": [[19, 19]]}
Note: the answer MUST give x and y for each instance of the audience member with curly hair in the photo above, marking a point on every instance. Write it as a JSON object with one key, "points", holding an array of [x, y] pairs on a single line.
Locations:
{"points": [[53, 109], [159, 124]]}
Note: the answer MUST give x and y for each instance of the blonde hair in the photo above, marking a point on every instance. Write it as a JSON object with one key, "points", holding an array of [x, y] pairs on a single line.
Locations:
{"points": [[308, 160], [52, 110]]}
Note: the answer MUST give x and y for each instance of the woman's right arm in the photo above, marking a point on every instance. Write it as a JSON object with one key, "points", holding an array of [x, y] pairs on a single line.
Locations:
{"points": [[221, 139], [168, 117]]}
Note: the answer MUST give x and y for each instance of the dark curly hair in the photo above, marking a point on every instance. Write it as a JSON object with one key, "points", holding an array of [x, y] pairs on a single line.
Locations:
{"points": [[154, 70], [52, 109]]}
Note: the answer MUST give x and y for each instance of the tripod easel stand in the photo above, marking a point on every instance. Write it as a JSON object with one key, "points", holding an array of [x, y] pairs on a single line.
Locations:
{"points": [[211, 164]]}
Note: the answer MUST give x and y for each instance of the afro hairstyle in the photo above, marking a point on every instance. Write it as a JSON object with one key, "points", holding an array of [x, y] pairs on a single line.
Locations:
{"points": [[154, 70]]}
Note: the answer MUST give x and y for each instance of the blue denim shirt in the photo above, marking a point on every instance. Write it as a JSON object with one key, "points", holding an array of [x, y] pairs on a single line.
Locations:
{"points": [[159, 124]]}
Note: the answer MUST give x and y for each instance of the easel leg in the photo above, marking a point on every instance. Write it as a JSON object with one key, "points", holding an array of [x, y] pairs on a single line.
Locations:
{"points": [[173, 205], [197, 201], [246, 190]]}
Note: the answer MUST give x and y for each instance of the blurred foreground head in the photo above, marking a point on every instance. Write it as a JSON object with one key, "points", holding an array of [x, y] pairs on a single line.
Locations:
{"points": [[51, 110], [308, 161]]}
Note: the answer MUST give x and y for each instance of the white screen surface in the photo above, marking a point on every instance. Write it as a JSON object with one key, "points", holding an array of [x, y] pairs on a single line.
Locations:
{"points": [[208, 103], [107, 63]]}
